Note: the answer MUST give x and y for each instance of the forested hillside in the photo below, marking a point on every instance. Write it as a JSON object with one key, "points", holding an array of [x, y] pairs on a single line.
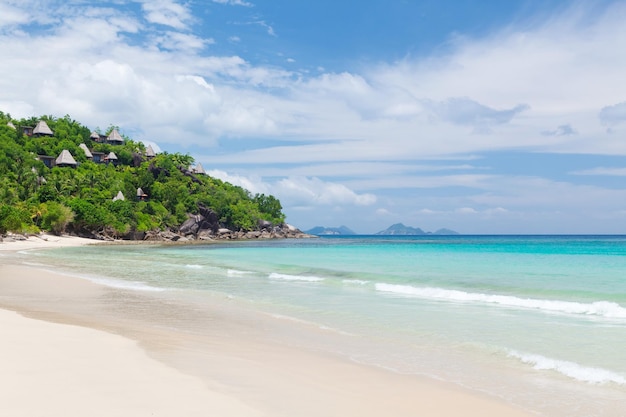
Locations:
{"points": [[120, 190]]}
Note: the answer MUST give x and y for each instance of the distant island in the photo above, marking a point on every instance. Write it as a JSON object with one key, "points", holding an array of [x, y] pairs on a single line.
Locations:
{"points": [[397, 229], [323, 231], [402, 230]]}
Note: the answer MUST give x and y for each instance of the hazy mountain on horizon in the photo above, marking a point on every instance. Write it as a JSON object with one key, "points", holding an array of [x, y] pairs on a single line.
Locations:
{"points": [[400, 229], [321, 230]]}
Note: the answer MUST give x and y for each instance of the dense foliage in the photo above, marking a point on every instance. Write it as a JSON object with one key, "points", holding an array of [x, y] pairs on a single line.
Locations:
{"points": [[34, 197]]}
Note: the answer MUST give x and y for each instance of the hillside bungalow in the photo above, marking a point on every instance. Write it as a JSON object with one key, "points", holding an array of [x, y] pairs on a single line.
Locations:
{"points": [[48, 161], [150, 152], [111, 158], [119, 196], [199, 169], [65, 159], [95, 136], [27, 130], [42, 129], [85, 149], [98, 157], [141, 195], [115, 138]]}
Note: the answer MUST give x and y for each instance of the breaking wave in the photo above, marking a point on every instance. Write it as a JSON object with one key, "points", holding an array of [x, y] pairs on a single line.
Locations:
{"points": [[286, 277], [598, 308], [572, 370]]}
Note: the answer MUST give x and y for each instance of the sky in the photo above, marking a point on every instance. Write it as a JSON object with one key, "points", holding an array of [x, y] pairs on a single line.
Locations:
{"points": [[481, 116]]}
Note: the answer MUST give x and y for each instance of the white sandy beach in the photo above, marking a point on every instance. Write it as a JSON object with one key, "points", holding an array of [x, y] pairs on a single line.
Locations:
{"points": [[60, 356]]}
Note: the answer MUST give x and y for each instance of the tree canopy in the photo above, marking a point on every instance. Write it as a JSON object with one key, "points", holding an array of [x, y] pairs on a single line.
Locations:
{"points": [[80, 199]]}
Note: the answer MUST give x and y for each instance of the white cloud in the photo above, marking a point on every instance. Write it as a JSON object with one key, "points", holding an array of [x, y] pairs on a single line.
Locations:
{"points": [[176, 41], [10, 16], [150, 73], [605, 171], [234, 2], [313, 191], [253, 184], [300, 192], [167, 13]]}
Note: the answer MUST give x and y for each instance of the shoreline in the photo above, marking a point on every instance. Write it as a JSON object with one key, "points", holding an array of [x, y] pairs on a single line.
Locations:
{"points": [[238, 372]]}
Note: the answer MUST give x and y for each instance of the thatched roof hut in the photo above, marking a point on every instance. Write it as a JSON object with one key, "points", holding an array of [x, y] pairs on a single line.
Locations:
{"points": [[86, 150], [115, 138], [119, 196], [150, 152], [199, 169], [11, 125], [42, 129], [65, 159], [141, 195]]}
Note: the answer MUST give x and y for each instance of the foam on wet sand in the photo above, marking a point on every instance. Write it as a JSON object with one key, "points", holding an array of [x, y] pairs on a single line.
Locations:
{"points": [[74, 350]]}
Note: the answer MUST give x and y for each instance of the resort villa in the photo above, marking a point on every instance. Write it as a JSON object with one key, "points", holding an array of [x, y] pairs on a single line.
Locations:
{"points": [[66, 159]]}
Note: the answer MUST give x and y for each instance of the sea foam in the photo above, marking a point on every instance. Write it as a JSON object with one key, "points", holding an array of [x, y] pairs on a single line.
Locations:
{"points": [[599, 308], [573, 370], [235, 272], [286, 277], [125, 285]]}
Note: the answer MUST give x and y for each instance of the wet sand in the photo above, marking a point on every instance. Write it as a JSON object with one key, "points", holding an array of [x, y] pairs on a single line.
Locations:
{"points": [[74, 348]]}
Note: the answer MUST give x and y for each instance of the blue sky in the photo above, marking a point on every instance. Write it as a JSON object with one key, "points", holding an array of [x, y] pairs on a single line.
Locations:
{"points": [[479, 116]]}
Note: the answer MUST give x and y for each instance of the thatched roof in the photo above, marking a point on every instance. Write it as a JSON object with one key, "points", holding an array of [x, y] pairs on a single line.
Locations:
{"points": [[65, 158], [111, 156], [95, 136], [115, 136], [150, 152], [86, 149], [11, 125], [140, 193], [119, 196], [199, 169], [42, 129]]}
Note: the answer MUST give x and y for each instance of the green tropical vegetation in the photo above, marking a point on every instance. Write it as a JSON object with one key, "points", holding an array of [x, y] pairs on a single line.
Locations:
{"points": [[81, 199]]}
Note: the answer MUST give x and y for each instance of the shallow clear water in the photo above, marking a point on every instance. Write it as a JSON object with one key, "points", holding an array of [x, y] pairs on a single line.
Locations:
{"points": [[537, 320]]}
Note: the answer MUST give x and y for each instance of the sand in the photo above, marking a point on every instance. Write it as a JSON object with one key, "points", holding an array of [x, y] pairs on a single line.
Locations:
{"points": [[73, 348]]}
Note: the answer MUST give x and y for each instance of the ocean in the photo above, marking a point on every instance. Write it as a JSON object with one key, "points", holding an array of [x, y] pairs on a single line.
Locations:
{"points": [[537, 321]]}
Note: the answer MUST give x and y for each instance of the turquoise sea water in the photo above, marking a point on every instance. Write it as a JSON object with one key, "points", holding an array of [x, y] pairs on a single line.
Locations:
{"points": [[539, 321]]}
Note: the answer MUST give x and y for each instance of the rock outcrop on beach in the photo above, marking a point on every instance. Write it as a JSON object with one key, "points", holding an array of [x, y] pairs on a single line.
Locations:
{"points": [[269, 231]]}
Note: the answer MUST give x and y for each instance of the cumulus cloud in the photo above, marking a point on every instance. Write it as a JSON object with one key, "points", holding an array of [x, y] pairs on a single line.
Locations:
{"points": [[167, 12], [10, 16], [255, 185], [176, 41], [342, 135], [313, 191], [299, 191]]}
